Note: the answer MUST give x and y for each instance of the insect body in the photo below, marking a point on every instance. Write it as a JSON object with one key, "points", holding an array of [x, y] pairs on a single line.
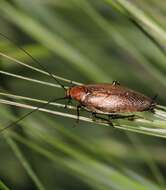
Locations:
{"points": [[110, 98]]}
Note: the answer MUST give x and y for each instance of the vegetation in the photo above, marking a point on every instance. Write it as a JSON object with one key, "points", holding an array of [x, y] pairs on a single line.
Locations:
{"points": [[85, 41]]}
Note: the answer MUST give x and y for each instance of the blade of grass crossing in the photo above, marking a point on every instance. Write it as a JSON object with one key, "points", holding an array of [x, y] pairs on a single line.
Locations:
{"points": [[110, 177], [120, 40], [143, 150], [152, 26], [24, 163], [84, 173], [3, 186], [36, 69], [54, 42]]}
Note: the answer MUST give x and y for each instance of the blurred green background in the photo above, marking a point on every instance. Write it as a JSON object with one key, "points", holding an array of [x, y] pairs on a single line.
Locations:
{"points": [[88, 41]]}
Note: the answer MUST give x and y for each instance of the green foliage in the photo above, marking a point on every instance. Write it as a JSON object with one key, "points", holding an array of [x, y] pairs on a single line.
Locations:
{"points": [[86, 41], [3, 186]]}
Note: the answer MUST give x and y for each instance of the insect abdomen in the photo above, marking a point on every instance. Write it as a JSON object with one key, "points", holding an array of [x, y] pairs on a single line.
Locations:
{"points": [[107, 99]]}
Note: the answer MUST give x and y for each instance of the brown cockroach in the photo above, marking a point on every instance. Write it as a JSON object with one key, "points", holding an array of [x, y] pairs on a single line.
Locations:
{"points": [[108, 99]]}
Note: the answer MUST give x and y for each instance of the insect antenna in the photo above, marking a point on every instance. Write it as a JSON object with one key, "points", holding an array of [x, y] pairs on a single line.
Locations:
{"points": [[34, 60], [28, 114], [45, 69]]}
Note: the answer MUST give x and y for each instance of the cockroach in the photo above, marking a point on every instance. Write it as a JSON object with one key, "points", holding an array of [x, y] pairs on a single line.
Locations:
{"points": [[108, 99]]}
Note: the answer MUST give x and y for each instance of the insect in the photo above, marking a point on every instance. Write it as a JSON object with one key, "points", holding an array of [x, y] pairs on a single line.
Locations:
{"points": [[108, 99]]}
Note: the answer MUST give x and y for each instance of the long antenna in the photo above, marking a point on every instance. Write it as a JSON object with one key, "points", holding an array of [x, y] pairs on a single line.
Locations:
{"points": [[34, 60], [29, 113], [48, 102]]}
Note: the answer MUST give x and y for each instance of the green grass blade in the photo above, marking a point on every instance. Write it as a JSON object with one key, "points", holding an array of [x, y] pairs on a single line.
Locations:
{"points": [[152, 27], [3, 186], [53, 42], [24, 163]]}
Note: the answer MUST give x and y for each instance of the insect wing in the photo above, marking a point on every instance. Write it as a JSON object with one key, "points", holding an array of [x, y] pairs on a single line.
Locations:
{"points": [[107, 98]]}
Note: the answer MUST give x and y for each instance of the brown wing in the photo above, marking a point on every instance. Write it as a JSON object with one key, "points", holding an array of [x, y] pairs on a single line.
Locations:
{"points": [[108, 98]]}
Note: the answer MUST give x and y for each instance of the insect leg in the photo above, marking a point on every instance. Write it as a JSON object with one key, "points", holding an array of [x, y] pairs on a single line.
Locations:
{"points": [[94, 117], [68, 102], [118, 116], [78, 112]]}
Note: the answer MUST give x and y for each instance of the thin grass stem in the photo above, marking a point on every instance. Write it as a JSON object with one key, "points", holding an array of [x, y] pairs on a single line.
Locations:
{"points": [[30, 79], [155, 127], [36, 100], [12, 103], [24, 162], [36, 69]]}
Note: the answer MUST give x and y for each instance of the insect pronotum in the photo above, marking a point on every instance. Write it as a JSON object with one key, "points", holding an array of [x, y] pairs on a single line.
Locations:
{"points": [[108, 99]]}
